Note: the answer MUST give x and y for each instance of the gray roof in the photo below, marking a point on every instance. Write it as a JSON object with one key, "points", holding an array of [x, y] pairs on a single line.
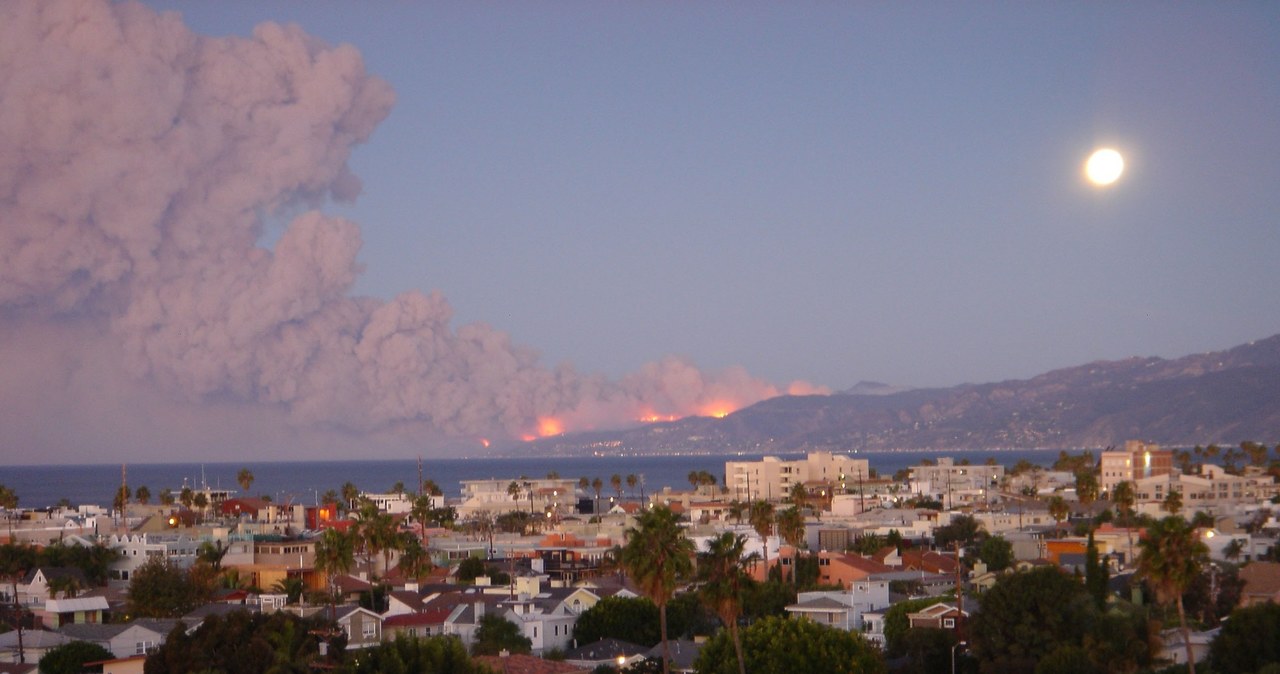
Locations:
{"points": [[605, 650], [683, 652], [33, 639], [820, 604]]}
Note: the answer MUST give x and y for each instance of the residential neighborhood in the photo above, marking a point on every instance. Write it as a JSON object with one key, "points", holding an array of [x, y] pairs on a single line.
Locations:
{"points": [[902, 565]]}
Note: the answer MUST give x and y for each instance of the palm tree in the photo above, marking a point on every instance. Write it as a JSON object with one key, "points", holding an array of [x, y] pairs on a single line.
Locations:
{"points": [[186, 497], [597, 485], [658, 556], [1059, 509], [376, 533], [420, 511], [335, 554], [166, 497], [200, 501], [1172, 502], [350, 492], [245, 478], [414, 560], [291, 587], [736, 510], [1122, 495], [616, 483], [791, 529], [761, 518], [631, 483], [724, 580], [1170, 559], [15, 561], [143, 494], [68, 586]]}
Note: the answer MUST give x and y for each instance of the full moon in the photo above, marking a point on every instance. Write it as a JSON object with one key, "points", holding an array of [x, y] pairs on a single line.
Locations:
{"points": [[1104, 167]]}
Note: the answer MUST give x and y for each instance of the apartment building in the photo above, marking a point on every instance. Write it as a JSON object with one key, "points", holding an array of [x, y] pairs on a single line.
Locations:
{"points": [[772, 478], [1138, 460]]}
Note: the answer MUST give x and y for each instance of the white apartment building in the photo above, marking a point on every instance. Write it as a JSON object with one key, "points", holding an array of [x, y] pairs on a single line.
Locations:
{"points": [[1214, 491], [772, 478], [136, 549], [539, 495], [953, 483]]}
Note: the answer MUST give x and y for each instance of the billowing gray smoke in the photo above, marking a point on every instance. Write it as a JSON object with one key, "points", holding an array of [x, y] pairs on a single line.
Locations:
{"points": [[138, 161]]}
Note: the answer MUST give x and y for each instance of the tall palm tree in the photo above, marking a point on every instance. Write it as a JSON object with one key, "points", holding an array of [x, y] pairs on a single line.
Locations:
{"points": [[335, 554], [143, 494], [597, 485], [791, 529], [724, 579], [631, 483], [376, 533], [616, 483], [245, 478], [1171, 558], [761, 518], [658, 556]]}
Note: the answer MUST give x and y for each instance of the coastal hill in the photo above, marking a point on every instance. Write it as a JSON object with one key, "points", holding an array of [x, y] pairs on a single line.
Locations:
{"points": [[1223, 397]]}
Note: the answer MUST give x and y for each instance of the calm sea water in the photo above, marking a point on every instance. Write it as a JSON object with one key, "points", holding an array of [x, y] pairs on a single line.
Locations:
{"points": [[42, 486]]}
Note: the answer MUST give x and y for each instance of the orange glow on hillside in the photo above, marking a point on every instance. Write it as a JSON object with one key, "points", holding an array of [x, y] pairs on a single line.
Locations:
{"points": [[650, 417], [717, 409], [549, 426], [484, 442]]}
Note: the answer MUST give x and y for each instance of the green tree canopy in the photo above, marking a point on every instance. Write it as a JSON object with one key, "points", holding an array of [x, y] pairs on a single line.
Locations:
{"points": [[657, 557], [795, 646], [996, 553], [70, 658], [627, 618], [408, 655], [1025, 616], [497, 634], [1248, 641], [159, 589], [244, 643]]}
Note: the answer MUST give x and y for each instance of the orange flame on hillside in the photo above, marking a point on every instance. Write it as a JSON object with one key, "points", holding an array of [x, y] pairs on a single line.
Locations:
{"points": [[718, 409], [549, 426], [484, 442]]}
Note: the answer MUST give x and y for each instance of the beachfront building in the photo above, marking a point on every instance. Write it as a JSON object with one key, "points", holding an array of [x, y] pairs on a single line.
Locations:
{"points": [[539, 496], [772, 478], [953, 483], [1213, 491], [1138, 460]]}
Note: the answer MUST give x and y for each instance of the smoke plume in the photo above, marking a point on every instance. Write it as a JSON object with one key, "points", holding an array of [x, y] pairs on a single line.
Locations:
{"points": [[138, 162]]}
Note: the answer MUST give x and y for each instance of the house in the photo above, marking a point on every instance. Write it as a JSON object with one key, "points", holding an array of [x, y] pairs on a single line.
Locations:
{"points": [[1261, 583], [77, 610], [35, 643], [130, 665], [35, 588], [362, 626], [939, 616], [122, 639], [428, 623], [844, 569], [843, 610], [683, 653], [607, 652], [516, 663], [1173, 648]]}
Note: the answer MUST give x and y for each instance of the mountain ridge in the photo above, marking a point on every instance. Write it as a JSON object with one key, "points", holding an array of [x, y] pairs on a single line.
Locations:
{"points": [[1221, 396]]}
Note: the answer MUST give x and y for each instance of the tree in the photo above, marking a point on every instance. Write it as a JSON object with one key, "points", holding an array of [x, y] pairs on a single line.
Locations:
{"points": [[616, 482], [245, 478], [1248, 641], [631, 619], [632, 480], [291, 587], [1059, 509], [166, 497], [159, 589], [69, 658], [496, 633], [200, 501], [1086, 486], [244, 643], [1170, 558], [335, 554], [896, 624], [761, 518], [724, 580], [657, 556], [376, 533], [996, 553], [1026, 616], [438, 655], [795, 646], [123, 493], [963, 529], [1172, 502], [15, 561], [187, 497], [1096, 576], [791, 529], [143, 495]]}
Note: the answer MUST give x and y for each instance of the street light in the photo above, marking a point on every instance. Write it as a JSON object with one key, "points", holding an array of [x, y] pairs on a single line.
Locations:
{"points": [[953, 654]]}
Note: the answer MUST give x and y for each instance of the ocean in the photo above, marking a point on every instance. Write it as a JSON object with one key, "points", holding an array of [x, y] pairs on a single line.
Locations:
{"points": [[305, 481]]}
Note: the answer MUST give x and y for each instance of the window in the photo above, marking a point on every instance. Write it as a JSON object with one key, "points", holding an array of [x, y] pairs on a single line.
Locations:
{"points": [[369, 630], [949, 623]]}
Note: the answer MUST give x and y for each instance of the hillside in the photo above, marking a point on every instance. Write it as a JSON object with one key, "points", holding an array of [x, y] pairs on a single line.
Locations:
{"points": [[1225, 397]]}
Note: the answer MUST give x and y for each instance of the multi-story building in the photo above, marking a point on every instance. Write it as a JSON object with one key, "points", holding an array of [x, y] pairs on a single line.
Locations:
{"points": [[1213, 490], [954, 483], [1138, 460], [772, 478], [540, 496]]}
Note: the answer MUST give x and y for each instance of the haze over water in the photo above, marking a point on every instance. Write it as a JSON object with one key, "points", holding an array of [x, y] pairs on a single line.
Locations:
{"points": [[42, 486]]}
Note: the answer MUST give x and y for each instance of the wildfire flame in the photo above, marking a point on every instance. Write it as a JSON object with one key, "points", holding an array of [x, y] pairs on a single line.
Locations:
{"points": [[549, 426], [718, 409], [484, 442]]}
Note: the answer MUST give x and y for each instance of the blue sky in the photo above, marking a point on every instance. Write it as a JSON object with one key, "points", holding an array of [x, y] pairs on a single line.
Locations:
{"points": [[820, 191]]}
